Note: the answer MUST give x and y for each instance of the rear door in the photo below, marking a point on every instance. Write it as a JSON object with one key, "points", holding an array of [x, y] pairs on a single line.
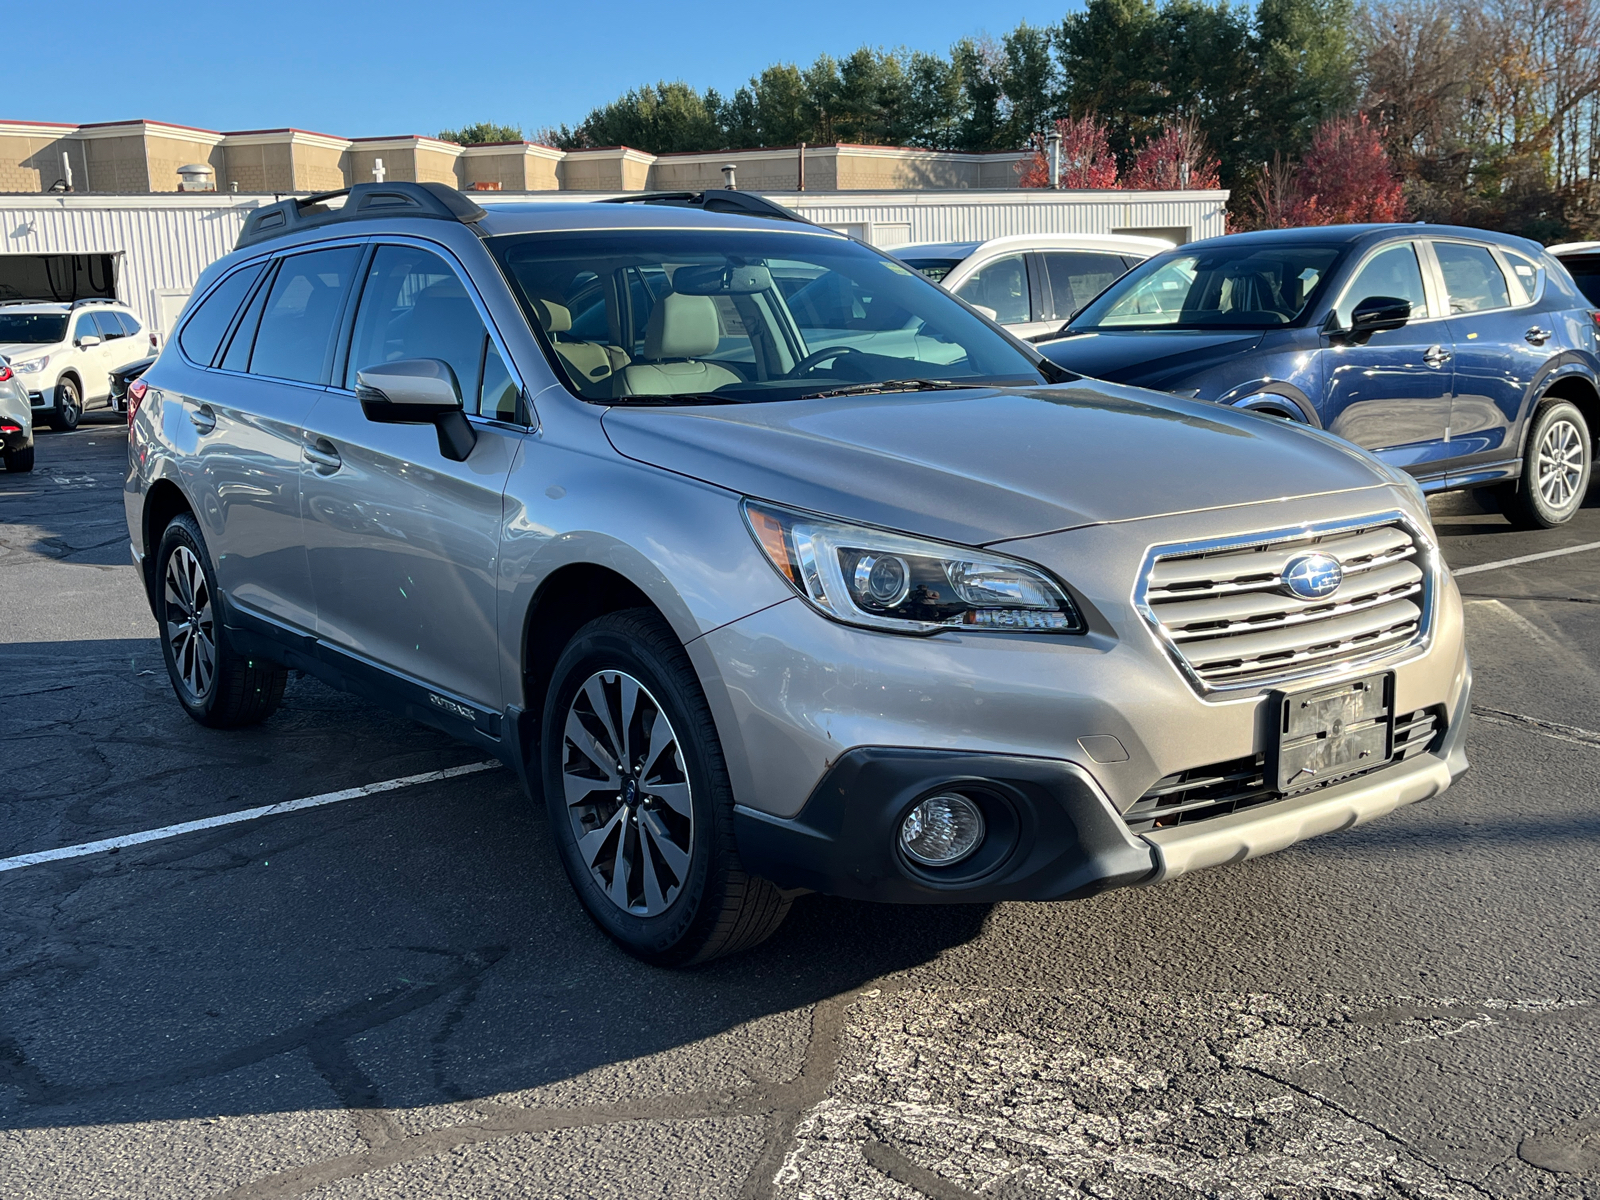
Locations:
{"points": [[403, 543], [249, 424], [1502, 341], [1002, 286], [1391, 392], [117, 349]]}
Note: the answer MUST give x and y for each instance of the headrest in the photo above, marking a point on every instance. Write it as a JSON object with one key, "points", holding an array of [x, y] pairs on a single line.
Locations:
{"points": [[444, 289], [555, 318], [682, 327]]}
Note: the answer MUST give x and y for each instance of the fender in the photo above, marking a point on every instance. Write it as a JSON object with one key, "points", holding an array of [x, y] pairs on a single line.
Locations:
{"points": [[1249, 395], [1569, 364]]}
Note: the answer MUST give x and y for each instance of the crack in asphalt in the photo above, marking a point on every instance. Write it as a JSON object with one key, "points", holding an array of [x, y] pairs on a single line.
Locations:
{"points": [[1550, 729], [780, 1104]]}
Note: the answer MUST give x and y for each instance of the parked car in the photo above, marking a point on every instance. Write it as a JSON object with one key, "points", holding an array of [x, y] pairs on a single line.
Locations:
{"points": [[1030, 283], [789, 573], [16, 422], [1582, 261], [1465, 358], [122, 378], [65, 354]]}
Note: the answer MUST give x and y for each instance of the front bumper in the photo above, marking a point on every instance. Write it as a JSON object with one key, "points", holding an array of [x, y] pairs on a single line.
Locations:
{"points": [[1053, 834]]}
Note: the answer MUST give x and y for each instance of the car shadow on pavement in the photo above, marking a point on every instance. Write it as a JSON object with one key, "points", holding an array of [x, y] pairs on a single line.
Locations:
{"points": [[415, 948]]}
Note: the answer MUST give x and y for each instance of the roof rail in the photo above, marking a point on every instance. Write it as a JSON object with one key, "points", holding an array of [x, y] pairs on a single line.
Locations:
{"points": [[724, 200], [93, 300], [362, 201]]}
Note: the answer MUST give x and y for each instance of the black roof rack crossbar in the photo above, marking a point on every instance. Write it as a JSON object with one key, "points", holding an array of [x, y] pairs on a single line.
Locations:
{"points": [[362, 201], [724, 200]]}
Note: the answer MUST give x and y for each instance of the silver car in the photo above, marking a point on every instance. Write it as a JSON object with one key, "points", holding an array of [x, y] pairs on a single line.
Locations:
{"points": [[773, 567]]}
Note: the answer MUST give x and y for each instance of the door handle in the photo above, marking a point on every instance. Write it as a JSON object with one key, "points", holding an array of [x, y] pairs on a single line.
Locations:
{"points": [[203, 418], [1537, 336], [323, 456], [1436, 356]]}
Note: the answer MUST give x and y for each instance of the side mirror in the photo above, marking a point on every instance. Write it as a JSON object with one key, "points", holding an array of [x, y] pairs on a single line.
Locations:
{"points": [[1378, 313], [87, 340], [418, 391], [988, 312]]}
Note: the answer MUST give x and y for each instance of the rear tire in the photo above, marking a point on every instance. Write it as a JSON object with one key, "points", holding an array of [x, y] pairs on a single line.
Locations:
{"points": [[640, 804], [217, 686], [19, 460], [69, 407], [1556, 466]]}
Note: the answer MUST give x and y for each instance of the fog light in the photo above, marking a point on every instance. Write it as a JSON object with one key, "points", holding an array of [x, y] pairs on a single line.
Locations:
{"points": [[942, 830]]}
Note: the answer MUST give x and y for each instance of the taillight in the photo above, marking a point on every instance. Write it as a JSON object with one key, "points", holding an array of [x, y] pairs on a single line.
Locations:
{"points": [[5, 368], [136, 391], [1596, 316], [152, 341]]}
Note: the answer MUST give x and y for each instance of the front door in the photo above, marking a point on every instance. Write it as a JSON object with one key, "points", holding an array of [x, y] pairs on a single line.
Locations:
{"points": [[1391, 393], [403, 543]]}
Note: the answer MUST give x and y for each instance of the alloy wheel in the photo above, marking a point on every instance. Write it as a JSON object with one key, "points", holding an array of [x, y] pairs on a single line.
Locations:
{"points": [[1560, 463], [627, 793], [189, 623]]}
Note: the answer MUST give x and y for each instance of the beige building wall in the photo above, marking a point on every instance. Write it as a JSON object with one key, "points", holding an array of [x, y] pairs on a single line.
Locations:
{"points": [[864, 168], [436, 163], [1000, 170], [118, 164], [515, 166], [30, 158], [165, 153], [259, 167], [319, 168]]}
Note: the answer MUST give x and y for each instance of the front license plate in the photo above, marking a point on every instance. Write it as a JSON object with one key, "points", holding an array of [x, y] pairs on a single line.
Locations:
{"points": [[1328, 732]]}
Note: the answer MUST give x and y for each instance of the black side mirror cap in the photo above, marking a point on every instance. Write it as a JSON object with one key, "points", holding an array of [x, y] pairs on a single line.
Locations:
{"points": [[1378, 313], [418, 391]]}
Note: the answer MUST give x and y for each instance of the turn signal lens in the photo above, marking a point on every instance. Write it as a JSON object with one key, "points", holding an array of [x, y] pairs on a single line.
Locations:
{"points": [[886, 580]]}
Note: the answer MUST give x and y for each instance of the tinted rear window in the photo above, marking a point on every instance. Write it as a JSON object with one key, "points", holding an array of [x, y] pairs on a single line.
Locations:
{"points": [[297, 325], [1586, 271], [108, 325], [202, 332]]}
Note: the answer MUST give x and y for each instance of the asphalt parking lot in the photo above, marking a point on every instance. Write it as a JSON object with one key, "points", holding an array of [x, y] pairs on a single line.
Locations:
{"points": [[398, 995]]}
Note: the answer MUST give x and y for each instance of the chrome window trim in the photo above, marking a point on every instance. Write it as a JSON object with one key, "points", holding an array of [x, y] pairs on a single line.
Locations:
{"points": [[1428, 556]]}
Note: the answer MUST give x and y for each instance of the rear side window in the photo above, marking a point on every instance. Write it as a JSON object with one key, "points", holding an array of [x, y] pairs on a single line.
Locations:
{"points": [[1524, 277], [415, 306], [1076, 278], [130, 326], [108, 325], [302, 309], [202, 332], [1471, 277]]}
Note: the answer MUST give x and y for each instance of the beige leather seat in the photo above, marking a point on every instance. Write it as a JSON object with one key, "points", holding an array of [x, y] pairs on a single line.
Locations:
{"points": [[681, 329], [589, 362]]}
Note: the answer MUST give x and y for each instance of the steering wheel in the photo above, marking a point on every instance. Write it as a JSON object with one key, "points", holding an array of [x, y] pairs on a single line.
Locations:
{"points": [[821, 356]]}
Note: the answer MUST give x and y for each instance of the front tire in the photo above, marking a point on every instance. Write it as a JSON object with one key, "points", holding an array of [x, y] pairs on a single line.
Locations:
{"points": [[216, 686], [20, 460], [1556, 465], [69, 407], [640, 804]]}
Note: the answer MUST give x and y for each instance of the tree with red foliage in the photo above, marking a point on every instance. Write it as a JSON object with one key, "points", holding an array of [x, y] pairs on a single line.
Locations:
{"points": [[1086, 158], [1346, 179], [1160, 165]]}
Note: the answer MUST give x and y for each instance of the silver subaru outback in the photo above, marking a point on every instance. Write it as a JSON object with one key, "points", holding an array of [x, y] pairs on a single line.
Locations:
{"points": [[770, 565]]}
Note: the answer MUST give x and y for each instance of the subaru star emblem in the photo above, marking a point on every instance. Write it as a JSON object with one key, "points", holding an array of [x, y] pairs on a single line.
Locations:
{"points": [[1313, 576]]}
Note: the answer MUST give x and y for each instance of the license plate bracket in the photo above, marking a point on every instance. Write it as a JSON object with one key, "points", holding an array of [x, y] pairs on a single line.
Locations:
{"points": [[1330, 732]]}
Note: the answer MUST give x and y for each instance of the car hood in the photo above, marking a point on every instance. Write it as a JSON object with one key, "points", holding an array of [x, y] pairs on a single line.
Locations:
{"points": [[983, 465], [26, 350], [1150, 359]]}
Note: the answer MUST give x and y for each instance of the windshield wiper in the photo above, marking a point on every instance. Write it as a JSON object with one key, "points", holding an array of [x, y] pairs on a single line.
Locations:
{"points": [[892, 385], [670, 400]]}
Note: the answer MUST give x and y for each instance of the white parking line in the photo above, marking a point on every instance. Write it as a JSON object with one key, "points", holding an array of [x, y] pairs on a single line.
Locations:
{"points": [[1525, 558], [233, 818]]}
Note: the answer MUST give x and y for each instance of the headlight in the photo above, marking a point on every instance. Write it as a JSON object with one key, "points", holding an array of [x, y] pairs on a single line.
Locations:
{"points": [[883, 580], [26, 366]]}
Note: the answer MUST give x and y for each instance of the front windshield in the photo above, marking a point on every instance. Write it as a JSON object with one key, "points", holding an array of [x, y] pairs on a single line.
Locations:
{"points": [[657, 315], [1230, 287], [41, 329]]}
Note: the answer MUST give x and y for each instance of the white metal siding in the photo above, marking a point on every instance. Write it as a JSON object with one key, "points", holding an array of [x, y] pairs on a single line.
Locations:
{"points": [[972, 216], [163, 243]]}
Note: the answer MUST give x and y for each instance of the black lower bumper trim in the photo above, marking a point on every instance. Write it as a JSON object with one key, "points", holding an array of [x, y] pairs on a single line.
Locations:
{"points": [[1064, 840]]}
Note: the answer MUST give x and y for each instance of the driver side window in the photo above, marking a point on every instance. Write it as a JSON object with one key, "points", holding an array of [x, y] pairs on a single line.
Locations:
{"points": [[1392, 271], [1002, 287]]}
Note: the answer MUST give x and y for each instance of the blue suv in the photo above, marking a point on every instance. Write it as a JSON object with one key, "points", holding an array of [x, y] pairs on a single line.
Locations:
{"points": [[1467, 358]]}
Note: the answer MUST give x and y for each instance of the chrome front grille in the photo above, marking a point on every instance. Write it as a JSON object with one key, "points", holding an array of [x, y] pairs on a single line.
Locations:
{"points": [[1221, 788], [1229, 621]]}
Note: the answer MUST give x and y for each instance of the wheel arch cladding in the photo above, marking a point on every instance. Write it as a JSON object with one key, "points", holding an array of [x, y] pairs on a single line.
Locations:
{"points": [[571, 597], [164, 501], [1581, 393]]}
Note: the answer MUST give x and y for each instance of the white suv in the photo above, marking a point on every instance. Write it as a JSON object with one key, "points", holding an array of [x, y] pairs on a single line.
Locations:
{"points": [[1034, 282], [64, 354]]}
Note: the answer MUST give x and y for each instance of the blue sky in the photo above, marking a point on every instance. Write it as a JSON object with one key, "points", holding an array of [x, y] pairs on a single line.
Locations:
{"points": [[369, 69]]}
